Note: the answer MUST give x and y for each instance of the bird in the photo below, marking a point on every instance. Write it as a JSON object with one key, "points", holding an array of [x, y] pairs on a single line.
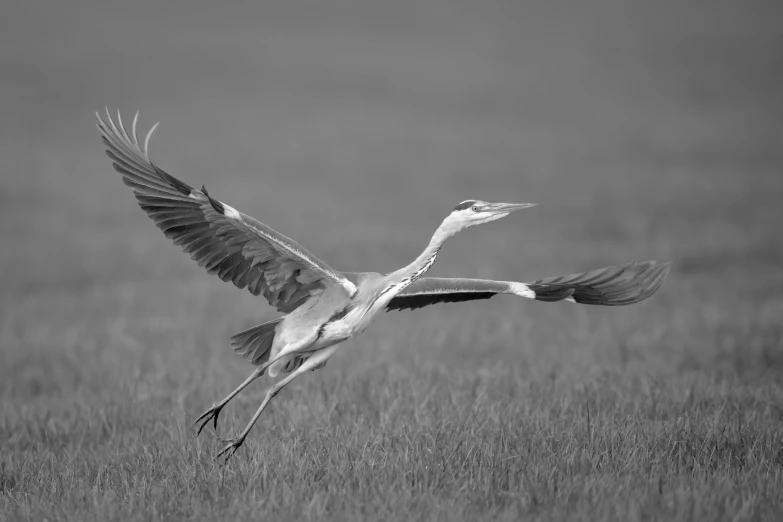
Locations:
{"points": [[323, 307]]}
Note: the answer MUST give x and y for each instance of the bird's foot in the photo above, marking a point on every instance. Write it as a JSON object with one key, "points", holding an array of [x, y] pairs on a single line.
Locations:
{"points": [[230, 448], [209, 415]]}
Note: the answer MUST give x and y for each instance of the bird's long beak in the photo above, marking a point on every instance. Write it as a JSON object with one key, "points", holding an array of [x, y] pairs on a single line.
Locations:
{"points": [[507, 208]]}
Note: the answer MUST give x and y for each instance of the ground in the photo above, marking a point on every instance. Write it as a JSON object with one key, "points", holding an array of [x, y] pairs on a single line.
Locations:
{"points": [[643, 130]]}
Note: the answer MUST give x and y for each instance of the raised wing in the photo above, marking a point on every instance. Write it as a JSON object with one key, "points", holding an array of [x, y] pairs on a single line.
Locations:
{"points": [[221, 239], [610, 286]]}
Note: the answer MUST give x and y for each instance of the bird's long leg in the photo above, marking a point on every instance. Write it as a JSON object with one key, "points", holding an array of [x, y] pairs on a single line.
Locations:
{"points": [[318, 358], [212, 413]]}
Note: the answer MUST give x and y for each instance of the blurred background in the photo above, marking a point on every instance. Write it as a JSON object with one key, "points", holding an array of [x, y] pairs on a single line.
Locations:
{"points": [[644, 130]]}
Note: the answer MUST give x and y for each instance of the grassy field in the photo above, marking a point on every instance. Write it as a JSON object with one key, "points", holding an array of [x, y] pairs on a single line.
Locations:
{"points": [[643, 130]]}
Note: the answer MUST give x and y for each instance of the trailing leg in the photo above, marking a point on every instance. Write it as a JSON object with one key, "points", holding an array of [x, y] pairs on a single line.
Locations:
{"points": [[213, 413]]}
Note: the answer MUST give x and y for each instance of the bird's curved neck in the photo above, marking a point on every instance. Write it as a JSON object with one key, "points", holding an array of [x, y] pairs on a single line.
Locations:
{"points": [[426, 259]]}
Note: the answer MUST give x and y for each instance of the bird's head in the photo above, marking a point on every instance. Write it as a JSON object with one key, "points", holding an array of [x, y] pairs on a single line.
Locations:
{"points": [[474, 212]]}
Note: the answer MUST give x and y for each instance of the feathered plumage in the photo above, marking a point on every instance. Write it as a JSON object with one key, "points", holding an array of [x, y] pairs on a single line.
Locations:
{"points": [[337, 306]]}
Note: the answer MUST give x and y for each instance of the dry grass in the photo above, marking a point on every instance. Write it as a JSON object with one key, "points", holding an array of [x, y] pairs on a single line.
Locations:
{"points": [[354, 130]]}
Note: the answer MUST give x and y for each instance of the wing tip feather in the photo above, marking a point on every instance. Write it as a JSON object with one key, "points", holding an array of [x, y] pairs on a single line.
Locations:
{"points": [[107, 126], [625, 284], [146, 149]]}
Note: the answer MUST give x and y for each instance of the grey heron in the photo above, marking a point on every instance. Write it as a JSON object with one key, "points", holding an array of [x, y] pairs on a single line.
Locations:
{"points": [[323, 307]]}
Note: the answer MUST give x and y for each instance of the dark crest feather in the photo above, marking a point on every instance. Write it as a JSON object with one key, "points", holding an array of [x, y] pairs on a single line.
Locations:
{"points": [[465, 204]]}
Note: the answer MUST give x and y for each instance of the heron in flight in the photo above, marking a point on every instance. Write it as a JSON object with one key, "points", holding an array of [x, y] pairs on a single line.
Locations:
{"points": [[323, 307]]}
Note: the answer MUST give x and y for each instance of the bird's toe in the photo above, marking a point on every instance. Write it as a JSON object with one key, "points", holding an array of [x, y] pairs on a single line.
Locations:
{"points": [[230, 448], [211, 414]]}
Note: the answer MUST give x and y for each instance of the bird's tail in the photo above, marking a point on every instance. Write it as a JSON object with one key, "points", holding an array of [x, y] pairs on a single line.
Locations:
{"points": [[255, 343]]}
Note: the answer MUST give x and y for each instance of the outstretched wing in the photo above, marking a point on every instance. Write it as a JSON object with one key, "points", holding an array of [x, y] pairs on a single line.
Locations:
{"points": [[221, 239], [610, 286]]}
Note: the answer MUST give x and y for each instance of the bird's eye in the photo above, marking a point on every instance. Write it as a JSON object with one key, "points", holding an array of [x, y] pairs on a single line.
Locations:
{"points": [[474, 208]]}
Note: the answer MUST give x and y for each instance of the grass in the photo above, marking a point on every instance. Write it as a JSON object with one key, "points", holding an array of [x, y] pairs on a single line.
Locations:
{"points": [[354, 131]]}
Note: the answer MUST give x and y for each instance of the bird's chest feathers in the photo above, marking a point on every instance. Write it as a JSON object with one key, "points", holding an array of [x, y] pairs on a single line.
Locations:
{"points": [[346, 323], [356, 317]]}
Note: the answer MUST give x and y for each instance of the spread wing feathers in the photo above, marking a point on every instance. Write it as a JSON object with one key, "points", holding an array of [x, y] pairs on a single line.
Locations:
{"points": [[610, 286], [226, 242]]}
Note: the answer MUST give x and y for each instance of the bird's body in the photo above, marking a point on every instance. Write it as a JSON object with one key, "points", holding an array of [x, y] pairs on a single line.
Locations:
{"points": [[322, 306]]}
